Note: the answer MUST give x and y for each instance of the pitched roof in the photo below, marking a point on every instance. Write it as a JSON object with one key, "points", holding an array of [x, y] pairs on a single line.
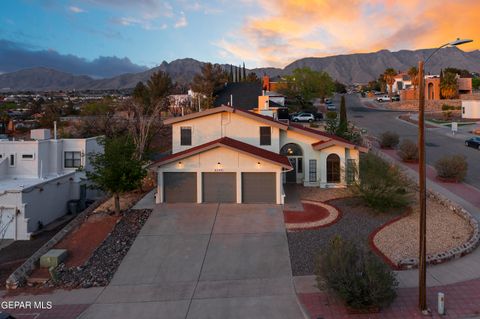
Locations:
{"points": [[323, 136], [231, 144], [245, 95], [226, 108]]}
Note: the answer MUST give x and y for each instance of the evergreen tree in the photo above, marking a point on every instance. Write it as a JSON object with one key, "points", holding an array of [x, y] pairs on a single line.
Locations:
{"points": [[230, 75], [343, 122], [244, 72], [239, 73]]}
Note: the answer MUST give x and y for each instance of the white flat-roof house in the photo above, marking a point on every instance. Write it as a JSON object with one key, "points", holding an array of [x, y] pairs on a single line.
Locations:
{"points": [[37, 179], [226, 154]]}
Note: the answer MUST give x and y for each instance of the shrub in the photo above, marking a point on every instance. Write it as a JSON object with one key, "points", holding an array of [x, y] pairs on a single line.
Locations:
{"points": [[452, 167], [314, 125], [408, 151], [360, 279], [389, 139], [381, 186]]}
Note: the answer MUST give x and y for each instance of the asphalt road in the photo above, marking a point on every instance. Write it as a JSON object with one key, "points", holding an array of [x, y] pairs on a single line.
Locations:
{"points": [[438, 140]]}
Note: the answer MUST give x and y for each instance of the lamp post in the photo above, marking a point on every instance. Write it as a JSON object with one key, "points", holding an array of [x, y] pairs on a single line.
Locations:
{"points": [[422, 258]]}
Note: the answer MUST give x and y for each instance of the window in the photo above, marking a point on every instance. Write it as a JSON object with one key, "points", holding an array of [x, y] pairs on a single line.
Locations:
{"points": [[463, 110], [265, 135], [185, 136], [312, 170], [27, 156], [333, 168], [12, 160], [300, 165], [73, 160], [351, 169]]}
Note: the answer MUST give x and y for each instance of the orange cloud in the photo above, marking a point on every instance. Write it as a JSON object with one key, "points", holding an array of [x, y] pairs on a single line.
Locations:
{"points": [[286, 30]]}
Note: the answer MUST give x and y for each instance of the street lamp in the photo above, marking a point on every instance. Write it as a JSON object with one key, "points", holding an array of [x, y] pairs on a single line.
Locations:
{"points": [[422, 259]]}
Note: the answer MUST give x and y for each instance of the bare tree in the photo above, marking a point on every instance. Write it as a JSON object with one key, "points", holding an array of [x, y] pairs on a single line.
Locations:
{"points": [[145, 107]]}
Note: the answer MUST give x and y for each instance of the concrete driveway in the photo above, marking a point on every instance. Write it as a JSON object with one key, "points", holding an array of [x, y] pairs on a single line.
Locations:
{"points": [[204, 261]]}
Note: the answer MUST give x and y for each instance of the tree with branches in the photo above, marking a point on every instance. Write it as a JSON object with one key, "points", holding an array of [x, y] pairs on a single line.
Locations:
{"points": [[207, 82], [389, 76]]}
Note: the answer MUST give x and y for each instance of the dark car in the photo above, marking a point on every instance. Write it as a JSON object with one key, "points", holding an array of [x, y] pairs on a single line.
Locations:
{"points": [[473, 142], [396, 98]]}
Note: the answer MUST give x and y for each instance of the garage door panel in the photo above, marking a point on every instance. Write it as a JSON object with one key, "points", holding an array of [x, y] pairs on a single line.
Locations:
{"points": [[259, 188], [219, 187], [180, 187]]}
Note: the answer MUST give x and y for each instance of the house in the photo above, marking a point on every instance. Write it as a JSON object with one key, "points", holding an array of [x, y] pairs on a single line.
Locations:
{"points": [[402, 82], [226, 154], [432, 88], [38, 178]]}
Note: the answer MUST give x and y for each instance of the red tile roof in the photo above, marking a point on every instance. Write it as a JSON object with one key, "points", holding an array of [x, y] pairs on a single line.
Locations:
{"points": [[229, 143]]}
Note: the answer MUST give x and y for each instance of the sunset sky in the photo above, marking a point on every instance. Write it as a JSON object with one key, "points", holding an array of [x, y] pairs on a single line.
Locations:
{"points": [[92, 33]]}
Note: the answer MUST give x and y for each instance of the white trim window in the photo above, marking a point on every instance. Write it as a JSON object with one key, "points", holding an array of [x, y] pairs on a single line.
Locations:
{"points": [[72, 159], [28, 157], [312, 170], [11, 160], [186, 136]]}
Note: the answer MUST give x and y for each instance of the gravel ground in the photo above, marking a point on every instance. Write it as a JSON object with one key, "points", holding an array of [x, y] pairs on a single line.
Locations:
{"points": [[356, 224], [100, 268], [323, 194], [445, 230]]}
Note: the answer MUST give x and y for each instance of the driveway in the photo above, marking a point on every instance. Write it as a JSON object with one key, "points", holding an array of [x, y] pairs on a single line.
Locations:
{"points": [[204, 261]]}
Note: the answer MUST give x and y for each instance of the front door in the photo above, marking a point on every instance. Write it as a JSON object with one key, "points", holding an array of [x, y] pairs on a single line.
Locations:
{"points": [[292, 175]]}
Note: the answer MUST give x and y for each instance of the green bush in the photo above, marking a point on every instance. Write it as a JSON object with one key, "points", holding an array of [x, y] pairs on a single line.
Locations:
{"points": [[453, 167], [408, 150], [389, 139], [360, 279], [382, 186]]}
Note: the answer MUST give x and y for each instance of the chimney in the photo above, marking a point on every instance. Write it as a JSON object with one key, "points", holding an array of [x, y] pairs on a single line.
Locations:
{"points": [[266, 83]]}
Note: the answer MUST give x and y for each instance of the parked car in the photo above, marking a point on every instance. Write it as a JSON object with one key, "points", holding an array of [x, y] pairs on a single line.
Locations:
{"points": [[473, 142], [331, 107], [303, 117], [396, 98], [384, 98]]}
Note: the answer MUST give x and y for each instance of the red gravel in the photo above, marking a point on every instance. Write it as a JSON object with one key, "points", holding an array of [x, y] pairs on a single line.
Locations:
{"points": [[310, 213]]}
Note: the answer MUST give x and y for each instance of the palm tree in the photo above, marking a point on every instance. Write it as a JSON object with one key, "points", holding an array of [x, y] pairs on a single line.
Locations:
{"points": [[4, 120], [448, 85], [413, 74], [389, 76]]}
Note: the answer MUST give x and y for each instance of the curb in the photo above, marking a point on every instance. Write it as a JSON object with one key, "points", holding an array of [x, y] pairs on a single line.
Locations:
{"points": [[295, 227]]}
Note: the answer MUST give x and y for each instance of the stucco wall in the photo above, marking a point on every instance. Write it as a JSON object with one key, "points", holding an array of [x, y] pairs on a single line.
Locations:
{"points": [[471, 109], [48, 201], [230, 161], [305, 142], [215, 126]]}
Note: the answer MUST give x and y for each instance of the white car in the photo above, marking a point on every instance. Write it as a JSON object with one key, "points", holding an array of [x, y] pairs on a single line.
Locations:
{"points": [[384, 98], [304, 117]]}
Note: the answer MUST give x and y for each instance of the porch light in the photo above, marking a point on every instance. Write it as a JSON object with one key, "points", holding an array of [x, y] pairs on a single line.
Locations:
{"points": [[259, 164], [180, 164], [289, 151], [219, 165]]}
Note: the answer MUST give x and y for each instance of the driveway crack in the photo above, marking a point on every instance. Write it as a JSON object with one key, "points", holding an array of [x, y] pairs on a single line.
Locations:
{"points": [[203, 261]]}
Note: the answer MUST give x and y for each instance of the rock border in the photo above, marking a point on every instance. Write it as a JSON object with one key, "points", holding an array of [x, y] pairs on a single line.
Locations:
{"points": [[18, 277], [456, 252], [438, 258], [324, 222]]}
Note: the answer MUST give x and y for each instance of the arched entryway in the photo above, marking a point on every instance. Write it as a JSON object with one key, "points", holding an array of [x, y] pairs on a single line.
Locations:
{"points": [[333, 168], [295, 156], [430, 92]]}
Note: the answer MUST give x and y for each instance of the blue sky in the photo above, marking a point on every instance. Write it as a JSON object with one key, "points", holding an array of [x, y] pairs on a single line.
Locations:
{"points": [[95, 36]]}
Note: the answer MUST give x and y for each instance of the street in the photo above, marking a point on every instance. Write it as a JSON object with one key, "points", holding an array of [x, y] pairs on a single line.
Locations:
{"points": [[439, 141]]}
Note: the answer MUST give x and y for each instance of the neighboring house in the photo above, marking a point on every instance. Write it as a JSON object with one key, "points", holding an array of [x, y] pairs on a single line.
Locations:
{"points": [[38, 178], [402, 82], [226, 154], [243, 95], [432, 88], [471, 108]]}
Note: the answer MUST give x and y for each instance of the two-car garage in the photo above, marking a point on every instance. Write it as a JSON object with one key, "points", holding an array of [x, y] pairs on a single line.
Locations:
{"points": [[220, 187]]}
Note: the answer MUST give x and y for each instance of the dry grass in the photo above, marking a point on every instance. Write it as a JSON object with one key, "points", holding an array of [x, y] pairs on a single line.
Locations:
{"points": [[445, 230]]}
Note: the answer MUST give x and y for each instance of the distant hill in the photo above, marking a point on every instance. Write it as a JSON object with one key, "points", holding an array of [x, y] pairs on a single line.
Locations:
{"points": [[351, 68]]}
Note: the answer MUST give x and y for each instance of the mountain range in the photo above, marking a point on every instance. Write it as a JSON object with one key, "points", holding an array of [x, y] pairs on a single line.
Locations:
{"points": [[348, 69]]}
